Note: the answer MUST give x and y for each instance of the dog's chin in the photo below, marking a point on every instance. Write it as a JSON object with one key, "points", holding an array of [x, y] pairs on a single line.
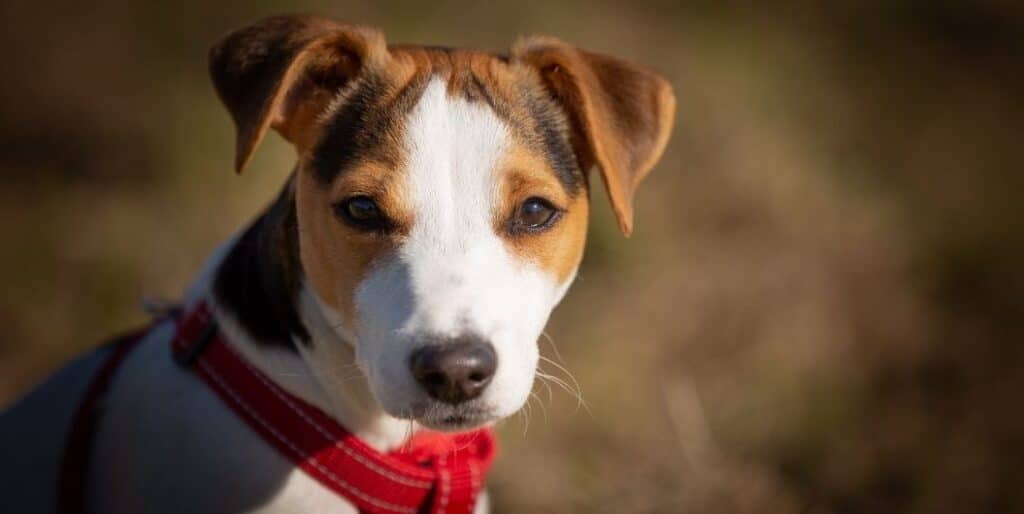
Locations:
{"points": [[455, 423], [451, 418]]}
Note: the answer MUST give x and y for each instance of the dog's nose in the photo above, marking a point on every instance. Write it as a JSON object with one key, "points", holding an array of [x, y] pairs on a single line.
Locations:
{"points": [[454, 372]]}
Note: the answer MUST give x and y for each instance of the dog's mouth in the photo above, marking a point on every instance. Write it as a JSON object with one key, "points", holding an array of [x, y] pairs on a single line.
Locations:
{"points": [[452, 418]]}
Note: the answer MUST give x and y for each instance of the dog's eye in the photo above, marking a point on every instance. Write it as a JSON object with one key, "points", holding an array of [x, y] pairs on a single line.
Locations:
{"points": [[536, 214], [361, 212]]}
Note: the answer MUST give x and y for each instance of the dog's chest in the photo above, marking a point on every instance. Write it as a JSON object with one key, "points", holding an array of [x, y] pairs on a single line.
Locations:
{"points": [[165, 439]]}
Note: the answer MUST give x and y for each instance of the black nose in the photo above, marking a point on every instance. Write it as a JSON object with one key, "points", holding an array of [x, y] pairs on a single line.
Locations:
{"points": [[454, 372]]}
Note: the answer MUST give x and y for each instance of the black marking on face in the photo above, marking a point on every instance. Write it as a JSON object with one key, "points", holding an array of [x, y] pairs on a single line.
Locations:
{"points": [[550, 132], [347, 137], [476, 90], [366, 127], [259, 280], [544, 129]]}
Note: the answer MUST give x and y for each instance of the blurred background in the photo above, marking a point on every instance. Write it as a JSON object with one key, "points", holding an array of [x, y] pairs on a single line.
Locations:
{"points": [[820, 310]]}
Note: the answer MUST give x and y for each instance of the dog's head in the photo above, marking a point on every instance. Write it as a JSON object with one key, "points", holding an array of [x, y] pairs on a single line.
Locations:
{"points": [[441, 195]]}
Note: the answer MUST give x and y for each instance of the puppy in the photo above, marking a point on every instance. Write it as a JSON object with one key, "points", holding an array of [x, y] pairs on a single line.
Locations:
{"points": [[436, 214]]}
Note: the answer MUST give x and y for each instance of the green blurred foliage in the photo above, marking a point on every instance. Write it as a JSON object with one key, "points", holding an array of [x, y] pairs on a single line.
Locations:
{"points": [[820, 309]]}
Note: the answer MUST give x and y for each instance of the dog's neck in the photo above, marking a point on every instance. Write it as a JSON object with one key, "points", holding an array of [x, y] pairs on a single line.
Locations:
{"points": [[269, 314]]}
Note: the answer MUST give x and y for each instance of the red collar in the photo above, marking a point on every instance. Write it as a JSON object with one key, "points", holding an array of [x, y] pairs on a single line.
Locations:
{"points": [[444, 472]]}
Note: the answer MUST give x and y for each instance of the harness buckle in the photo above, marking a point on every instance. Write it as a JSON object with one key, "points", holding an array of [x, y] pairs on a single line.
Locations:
{"points": [[191, 351]]}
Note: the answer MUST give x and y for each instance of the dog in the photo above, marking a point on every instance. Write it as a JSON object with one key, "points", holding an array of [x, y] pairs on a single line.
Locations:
{"points": [[398, 284]]}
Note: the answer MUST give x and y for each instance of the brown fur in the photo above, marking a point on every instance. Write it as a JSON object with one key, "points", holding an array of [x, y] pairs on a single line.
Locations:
{"points": [[336, 257], [265, 72]]}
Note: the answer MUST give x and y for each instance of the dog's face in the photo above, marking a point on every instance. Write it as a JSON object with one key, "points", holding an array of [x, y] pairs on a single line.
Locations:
{"points": [[452, 229], [441, 195]]}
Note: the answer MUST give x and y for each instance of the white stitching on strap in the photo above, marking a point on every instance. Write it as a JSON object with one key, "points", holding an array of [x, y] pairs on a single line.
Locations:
{"points": [[420, 484], [445, 486], [310, 458], [474, 475]]}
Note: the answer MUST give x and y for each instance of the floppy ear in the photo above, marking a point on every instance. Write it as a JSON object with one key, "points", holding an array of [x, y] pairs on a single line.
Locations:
{"points": [[283, 71], [621, 113]]}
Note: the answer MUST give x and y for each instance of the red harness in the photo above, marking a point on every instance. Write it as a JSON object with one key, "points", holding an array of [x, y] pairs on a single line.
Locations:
{"points": [[432, 473]]}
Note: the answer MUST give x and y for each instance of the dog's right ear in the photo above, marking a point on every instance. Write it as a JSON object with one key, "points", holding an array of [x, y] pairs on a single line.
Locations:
{"points": [[284, 71]]}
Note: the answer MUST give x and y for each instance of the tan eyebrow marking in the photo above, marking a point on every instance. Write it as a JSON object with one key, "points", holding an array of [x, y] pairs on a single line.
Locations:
{"points": [[558, 250]]}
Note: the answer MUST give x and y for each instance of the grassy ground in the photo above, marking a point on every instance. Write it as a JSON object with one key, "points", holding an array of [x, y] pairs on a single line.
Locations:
{"points": [[819, 311]]}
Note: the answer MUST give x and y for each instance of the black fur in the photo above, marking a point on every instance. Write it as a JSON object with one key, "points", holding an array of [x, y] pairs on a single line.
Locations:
{"points": [[259, 279], [366, 127], [476, 91], [551, 130]]}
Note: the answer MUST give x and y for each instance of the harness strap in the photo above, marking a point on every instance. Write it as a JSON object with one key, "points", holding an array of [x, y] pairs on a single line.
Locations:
{"points": [[71, 480]]}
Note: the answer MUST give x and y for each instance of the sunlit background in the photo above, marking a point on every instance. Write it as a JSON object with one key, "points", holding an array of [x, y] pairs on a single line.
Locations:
{"points": [[820, 310]]}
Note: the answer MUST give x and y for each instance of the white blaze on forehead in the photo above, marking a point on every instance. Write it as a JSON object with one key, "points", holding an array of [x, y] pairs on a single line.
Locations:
{"points": [[452, 274], [454, 151]]}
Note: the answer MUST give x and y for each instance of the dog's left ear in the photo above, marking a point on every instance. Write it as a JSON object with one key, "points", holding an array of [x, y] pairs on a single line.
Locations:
{"points": [[621, 113], [283, 71]]}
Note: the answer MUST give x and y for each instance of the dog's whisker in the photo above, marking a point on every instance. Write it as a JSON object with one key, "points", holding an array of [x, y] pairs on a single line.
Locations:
{"points": [[563, 369], [554, 347], [543, 408], [551, 394], [526, 417], [546, 379], [525, 412], [558, 382], [574, 392]]}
